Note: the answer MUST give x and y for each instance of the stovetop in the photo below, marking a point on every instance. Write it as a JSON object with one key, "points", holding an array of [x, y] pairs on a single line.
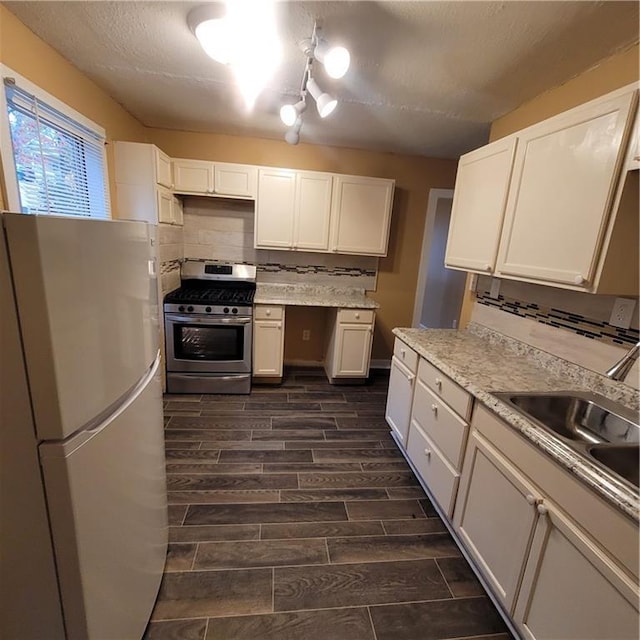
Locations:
{"points": [[190, 294]]}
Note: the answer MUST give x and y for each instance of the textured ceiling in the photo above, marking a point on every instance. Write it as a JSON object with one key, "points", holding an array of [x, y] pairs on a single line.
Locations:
{"points": [[426, 78]]}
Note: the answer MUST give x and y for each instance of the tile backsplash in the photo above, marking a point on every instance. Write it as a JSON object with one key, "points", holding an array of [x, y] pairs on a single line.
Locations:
{"points": [[581, 313], [218, 229]]}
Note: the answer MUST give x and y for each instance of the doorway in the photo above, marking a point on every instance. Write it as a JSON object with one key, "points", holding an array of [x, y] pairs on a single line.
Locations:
{"points": [[440, 290]]}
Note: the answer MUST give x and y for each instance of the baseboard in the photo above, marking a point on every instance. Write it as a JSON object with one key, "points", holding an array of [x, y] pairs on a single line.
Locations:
{"points": [[380, 364], [304, 363]]}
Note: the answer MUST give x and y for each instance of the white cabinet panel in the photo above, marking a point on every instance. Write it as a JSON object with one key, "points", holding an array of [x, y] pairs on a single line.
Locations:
{"points": [[275, 208], [313, 211], [361, 215], [177, 211], [479, 203], [571, 589], [353, 350], [237, 180], [165, 205], [193, 176], [268, 341], [564, 178], [163, 168], [399, 397], [495, 515]]}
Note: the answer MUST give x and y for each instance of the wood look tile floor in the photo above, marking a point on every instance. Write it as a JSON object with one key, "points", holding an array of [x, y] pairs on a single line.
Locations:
{"points": [[293, 516]]}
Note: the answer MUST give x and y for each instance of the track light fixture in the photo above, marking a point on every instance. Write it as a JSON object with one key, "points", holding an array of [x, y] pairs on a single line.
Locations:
{"points": [[336, 62]]}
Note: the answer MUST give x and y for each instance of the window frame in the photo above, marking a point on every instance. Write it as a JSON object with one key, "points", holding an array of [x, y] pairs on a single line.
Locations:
{"points": [[12, 190]]}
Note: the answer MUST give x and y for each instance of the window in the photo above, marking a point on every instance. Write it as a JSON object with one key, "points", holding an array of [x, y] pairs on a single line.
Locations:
{"points": [[57, 161]]}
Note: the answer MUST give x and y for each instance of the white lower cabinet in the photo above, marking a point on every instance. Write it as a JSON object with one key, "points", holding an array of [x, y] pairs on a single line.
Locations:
{"points": [[349, 349], [571, 589], [268, 341], [536, 547], [400, 395], [495, 516]]}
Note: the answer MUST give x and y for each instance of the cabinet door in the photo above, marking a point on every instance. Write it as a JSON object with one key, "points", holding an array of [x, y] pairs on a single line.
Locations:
{"points": [[193, 176], [238, 180], [176, 211], [313, 209], [495, 515], [163, 168], [165, 205], [571, 589], [353, 350], [564, 178], [479, 201], [399, 398], [361, 215], [268, 347], [275, 208]]}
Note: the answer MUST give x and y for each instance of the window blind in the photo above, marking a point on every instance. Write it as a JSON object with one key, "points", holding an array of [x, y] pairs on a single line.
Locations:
{"points": [[59, 162]]}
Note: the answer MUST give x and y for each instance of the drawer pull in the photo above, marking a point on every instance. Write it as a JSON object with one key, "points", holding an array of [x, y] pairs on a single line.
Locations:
{"points": [[410, 378], [439, 384], [531, 499], [268, 312], [279, 325], [403, 352], [357, 316], [427, 452], [542, 510], [434, 408]]}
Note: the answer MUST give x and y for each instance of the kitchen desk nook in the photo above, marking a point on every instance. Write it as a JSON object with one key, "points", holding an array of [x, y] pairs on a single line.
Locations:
{"points": [[349, 335], [552, 534]]}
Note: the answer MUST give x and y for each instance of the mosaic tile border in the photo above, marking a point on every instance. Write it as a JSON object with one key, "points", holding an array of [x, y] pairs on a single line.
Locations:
{"points": [[169, 266], [272, 267], [587, 327]]}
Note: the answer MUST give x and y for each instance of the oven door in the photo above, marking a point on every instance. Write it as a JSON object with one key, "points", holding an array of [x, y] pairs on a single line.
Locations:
{"points": [[208, 344]]}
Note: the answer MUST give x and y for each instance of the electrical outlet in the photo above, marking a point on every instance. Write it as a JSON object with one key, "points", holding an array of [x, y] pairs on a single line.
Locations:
{"points": [[494, 292], [622, 312], [306, 334]]}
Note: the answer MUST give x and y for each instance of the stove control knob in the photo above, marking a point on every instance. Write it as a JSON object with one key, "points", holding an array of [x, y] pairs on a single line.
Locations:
{"points": [[180, 308], [234, 310], [226, 309], [208, 309], [189, 308]]}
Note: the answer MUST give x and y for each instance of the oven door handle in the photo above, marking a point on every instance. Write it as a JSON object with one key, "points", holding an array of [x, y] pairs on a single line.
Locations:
{"points": [[208, 320]]}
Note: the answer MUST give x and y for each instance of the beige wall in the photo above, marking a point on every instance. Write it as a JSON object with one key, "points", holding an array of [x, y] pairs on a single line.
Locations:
{"points": [[31, 57], [415, 176], [608, 75]]}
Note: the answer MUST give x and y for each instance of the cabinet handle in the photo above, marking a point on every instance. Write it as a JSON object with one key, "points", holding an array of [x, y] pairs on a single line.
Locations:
{"points": [[279, 325], [357, 316], [487, 267], [439, 384], [542, 510], [427, 452], [268, 312], [531, 499], [579, 279], [411, 377], [434, 408], [403, 353]]}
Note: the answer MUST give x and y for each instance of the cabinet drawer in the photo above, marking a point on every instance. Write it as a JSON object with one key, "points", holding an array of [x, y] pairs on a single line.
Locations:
{"points": [[406, 355], [454, 395], [350, 316], [436, 472], [447, 430], [268, 312]]}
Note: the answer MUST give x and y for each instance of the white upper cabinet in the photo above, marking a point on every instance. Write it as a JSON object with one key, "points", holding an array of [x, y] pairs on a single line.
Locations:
{"points": [[215, 178], [479, 203], [193, 176], [361, 215], [293, 210], [313, 211], [564, 178], [164, 174], [275, 209]]}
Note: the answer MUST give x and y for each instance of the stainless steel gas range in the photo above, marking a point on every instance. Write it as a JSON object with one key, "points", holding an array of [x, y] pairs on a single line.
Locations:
{"points": [[208, 328]]}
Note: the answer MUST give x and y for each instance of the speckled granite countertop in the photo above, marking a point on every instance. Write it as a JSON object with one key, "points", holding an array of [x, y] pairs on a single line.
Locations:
{"points": [[312, 296], [483, 361]]}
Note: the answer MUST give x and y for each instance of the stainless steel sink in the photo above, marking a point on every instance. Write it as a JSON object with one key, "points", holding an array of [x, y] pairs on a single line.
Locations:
{"points": [[589, 423]]}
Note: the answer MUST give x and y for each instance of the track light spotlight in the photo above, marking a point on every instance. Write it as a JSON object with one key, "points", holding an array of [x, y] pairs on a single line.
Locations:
{"points": [[289, 113], [293, 135], [324, 102], [336, 60]]}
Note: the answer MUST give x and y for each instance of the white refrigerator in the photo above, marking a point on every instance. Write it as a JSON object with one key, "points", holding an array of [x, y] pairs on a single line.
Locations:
{"points": [[83, 508]]}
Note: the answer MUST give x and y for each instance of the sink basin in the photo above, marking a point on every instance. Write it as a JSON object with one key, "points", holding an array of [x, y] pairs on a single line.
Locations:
{"points": [[622, 460], [590, 424]]}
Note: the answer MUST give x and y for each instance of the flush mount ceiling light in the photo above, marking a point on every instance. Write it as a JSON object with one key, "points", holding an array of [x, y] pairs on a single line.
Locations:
{"points": [[336, 62], [243, 35]]}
